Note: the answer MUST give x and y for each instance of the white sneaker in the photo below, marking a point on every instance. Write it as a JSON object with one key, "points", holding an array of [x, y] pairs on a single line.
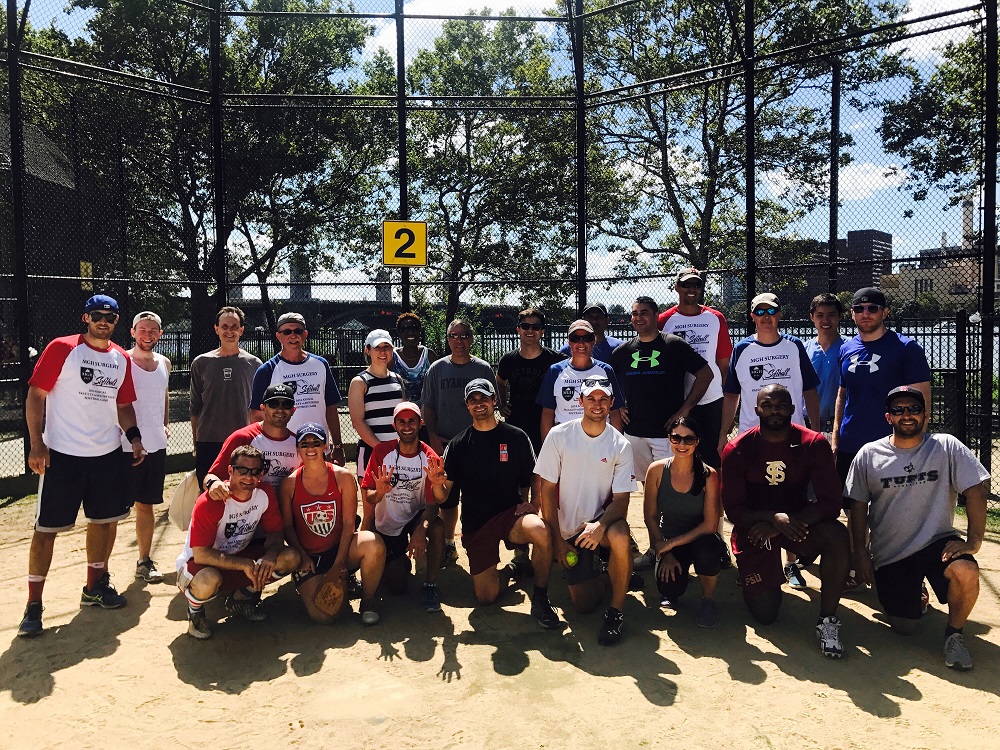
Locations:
{"points": [[828, 630]]}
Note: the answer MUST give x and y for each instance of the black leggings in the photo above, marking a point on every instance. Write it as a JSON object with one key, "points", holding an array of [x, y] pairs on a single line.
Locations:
{"points": [[706, 554]]}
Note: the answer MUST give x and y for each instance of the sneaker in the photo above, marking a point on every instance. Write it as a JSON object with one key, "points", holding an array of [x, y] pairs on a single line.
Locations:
{"points": [[925, 599], [146, 570], [828, 631], [645, 561], [670, 604], [370, 617], [450, 556], [611, 630], [956, 655], [31, 623], [794, 577], [198, 626], [636, 582], [519, 567], [103, 595], [430, 597], [249, 609], [725, 561], [708, 613], [542, 611]]}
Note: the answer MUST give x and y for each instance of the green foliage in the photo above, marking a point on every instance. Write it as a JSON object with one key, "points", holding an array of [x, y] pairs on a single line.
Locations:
{"points": [[938, 127], [684, 148]]}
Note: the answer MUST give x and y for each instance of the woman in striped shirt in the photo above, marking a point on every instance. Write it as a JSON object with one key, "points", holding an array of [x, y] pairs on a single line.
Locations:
{"points": [[373, 395]]}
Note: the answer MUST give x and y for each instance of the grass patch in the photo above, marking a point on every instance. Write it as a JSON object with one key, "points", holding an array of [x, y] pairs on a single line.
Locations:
{"points": [[992, 516]]}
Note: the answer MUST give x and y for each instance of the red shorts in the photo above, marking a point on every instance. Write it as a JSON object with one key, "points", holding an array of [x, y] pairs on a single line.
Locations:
{"points": [[231, 579], [761, 568], [483, 545]]}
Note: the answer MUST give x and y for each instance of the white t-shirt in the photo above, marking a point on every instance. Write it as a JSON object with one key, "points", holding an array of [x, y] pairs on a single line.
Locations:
{"points": [[560, 388], [708, 334], [410, 493], [588, 470]]}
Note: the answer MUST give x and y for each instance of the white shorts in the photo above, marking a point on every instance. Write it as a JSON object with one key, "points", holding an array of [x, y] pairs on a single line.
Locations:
{"points": [[645, 451]]}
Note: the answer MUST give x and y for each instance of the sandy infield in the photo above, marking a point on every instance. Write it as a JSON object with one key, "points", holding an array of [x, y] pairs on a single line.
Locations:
{"points": [[474, 677]]}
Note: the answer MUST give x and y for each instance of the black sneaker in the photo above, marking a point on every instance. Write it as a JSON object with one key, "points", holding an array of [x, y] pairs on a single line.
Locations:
{"points": [[249, 609], [636, 582], [725, 561], [542, 611], [519, 567], [198, 626], [102, 595], [450, 556], [31, 624], [611, 630]]}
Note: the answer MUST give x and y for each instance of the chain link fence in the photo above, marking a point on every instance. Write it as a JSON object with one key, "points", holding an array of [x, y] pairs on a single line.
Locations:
{"points": [[186, 154]]}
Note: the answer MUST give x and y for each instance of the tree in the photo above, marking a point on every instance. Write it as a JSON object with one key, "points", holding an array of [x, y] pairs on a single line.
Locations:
{"points": [[938, 127], [496, 186], [287, 177], [684, 147]]}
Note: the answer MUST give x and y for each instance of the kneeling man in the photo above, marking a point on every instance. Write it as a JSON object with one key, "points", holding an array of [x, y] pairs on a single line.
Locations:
{"points": [[492, 463], [585, 477], [221, 554], [905, 488], [766, 473]]}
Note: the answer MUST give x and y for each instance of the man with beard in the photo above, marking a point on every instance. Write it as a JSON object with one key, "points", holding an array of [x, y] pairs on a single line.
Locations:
{"points": [[309, 377], [905, 488], [492, 463], [766, 473], [150, 377], [82, 392], [270, 436]]}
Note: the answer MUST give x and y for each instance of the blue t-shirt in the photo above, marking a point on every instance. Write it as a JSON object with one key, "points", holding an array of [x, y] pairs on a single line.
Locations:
{"points": [[602, 349], [869, 370], [827, 367]]}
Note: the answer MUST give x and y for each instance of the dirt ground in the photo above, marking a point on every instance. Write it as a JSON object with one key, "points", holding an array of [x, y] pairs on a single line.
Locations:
{"points": [[470, 676]]}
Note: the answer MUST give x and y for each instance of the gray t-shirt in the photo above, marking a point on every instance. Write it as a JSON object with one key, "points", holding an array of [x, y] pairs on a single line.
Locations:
{"points": [[911, 492], [444, 392], [220, 392]]}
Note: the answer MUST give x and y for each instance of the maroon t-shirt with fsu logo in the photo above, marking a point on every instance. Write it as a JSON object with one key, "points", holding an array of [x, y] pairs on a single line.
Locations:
{"points": [[318, 519], [489, 468]]}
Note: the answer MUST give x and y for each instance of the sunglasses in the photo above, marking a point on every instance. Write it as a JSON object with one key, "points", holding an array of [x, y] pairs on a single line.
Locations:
{"points": [[311, 444], [691, 284], [590, 382], [576, 338], [292, 332], [870, 309], [97, 317], [244, 471], [531, 326], [760, 312], [677, 439], [280, 403], [898, 411], [456, 336]]}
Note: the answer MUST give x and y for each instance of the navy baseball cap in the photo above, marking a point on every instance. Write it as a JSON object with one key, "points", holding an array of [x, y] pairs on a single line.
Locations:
{"points": [[904, 390], [310, 428], [279, 390], [101, 302]]}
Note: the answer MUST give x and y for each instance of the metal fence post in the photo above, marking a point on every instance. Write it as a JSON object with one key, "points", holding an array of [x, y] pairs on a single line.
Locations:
{"points": [[404, 178], [17, 209], [218, 156], [988, 311], [750, 131], [961, 375], [581, 158], [834, 171]]}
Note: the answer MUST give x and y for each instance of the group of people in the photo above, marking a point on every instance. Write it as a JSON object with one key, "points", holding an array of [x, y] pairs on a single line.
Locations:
{"points": [[540, 455]]}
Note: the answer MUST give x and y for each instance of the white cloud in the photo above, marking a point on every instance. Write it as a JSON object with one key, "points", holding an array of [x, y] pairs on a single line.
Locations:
{"points": [[858, 181], [928, 48]]}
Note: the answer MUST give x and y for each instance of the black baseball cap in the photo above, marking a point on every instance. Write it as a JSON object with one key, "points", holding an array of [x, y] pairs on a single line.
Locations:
{"points": [[279, 390], [869, 295], [904, 390]]}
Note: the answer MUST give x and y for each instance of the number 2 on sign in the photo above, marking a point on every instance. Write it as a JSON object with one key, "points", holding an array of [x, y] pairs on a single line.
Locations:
{"points": [[404, 243]]}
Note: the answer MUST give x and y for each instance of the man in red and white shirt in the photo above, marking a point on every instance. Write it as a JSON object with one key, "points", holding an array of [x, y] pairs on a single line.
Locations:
{"points": [[271, 436], [707, 331], [220, 553], [82, 391], [400, 505]]}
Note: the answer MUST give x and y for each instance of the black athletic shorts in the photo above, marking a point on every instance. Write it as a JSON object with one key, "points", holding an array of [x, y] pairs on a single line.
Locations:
{"points": [[396, 546], [98, 482], [204, 456], [145, 481], [898, 583], [844, 461], [323, 563]]}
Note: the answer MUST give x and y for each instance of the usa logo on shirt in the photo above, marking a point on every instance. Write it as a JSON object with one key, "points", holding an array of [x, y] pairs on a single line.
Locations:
{"points": [[503, 453], [320, 517]]}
